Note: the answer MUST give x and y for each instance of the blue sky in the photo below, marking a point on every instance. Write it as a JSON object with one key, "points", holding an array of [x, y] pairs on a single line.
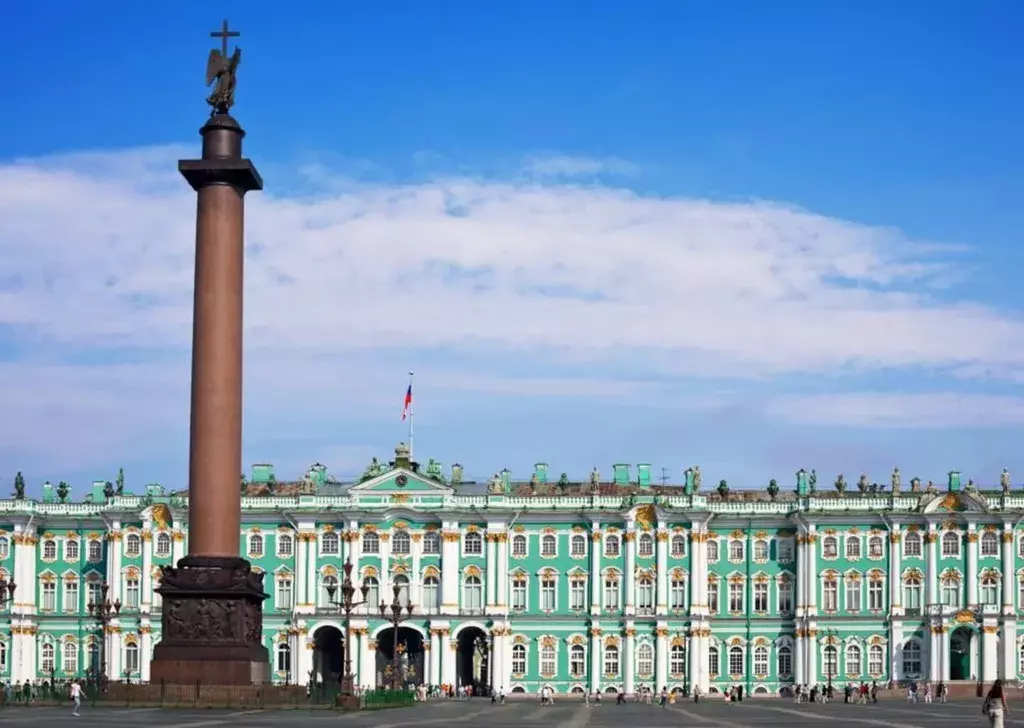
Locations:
{"points": [[750, 236]]}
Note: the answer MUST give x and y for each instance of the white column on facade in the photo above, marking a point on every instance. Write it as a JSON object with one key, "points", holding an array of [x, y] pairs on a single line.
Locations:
{"points": [[353, 545], [693, 662], [367, 660], [661, 594], [595, 658], [812, 572], [416, 577], [145, 651], [629, 537], [698, 574], [503, 573], [1009, 577], [944, 651], [177, 546], [312, 567], [355, 642], [301, 576], [629, 658], [491, 580], [661, 656], [501, 657], [449, 572], [989, 653], [449, 648], [972, 564], [25, 545], [812, 655], [595, 569], [385, 566], [147, 571], [895, 640], [115, 646], [935, 651], [895, 568], [931, 540], [798, 658], [114, 549], [1008, 647]]}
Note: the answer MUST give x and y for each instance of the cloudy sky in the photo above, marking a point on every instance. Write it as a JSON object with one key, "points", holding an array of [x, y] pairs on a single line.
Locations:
{"points": [[750, 236]]}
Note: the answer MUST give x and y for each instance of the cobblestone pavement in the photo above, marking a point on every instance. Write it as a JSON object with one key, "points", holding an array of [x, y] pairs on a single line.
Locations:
{"points": [[713, 714]]}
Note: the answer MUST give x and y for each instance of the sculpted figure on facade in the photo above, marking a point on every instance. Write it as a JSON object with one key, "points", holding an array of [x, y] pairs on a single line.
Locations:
{"points": [[696, 478], [862, 483], [1004, 480]]}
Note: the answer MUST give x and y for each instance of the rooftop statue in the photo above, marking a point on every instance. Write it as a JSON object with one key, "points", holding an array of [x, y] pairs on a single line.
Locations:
{"points": [[841, 484], [862, 483], [895, 481], [1004, 480], [223, 71], [595, 476], [812, 481], [696, 478]]}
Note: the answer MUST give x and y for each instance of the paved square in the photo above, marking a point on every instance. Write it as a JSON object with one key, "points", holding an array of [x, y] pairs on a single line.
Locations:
{"points": [[713, 714]]}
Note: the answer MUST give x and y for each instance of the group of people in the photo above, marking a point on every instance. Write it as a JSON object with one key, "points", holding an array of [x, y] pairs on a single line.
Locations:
{"points": [[27, 692]]}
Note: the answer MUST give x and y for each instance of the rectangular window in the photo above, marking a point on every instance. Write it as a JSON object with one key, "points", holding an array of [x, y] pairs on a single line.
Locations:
{"points": [[645, 597], [761, 601], [761, 661], [284, 594], [49, 597], [611, 594], [578, 595], [547, 661], [131, 593], [735, 598], [547, 597], [785, 597], [518, 659], [70, 596], [875, 595], [712, 596], [95, 593], [785, 547], [677, 594], [853, 595], [830, 603], [519, 595], [430, 595], [735, 661]]}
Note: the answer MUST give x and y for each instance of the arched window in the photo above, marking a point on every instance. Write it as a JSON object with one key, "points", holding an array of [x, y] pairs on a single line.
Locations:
{"points": [[713, 594], [761, 661], [47, 663], [285, 545], [71, 658], [830, 594], [853, 666], [71, 550], [989, 590], [131, 659], [49, 549], [255, 545], [678, 546], [785, 661], [548, 545], [912, 591], [430, 595], [611, 590], [519, 659], [876, 547], [912, 544], [519, 545], [473, 543], [876, 661], [95, 551], [831, 663], [401, 581], [548, 661], [611, 545], [431, 542], [829, 549], [327, 584], [645, 596], [712, 551], [611, 660], [645, 660], [401, 543], [371, 543], [5, 547], [330, 544], [736, 550], [577, 661], [578, 545], [284, 657], [852, 547], [951, 591], [853, 593], [714, 661], [677, 660], [472, 594], [132, 545], [372, 593], [989, 544], [163, 544], [736, 661], [911, 659], [951, 544], [760, 550], [94, 655], [645, 545]]}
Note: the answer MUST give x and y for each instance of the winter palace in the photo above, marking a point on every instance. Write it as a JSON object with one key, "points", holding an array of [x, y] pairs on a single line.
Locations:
{"points": [[613, 583]]}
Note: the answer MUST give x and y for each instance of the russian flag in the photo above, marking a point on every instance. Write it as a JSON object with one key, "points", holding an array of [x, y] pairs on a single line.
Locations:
{"points": [[408, 402]]}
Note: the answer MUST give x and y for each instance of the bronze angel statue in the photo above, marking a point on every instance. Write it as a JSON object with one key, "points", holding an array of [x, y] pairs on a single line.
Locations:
{"points": [[222, 69]]}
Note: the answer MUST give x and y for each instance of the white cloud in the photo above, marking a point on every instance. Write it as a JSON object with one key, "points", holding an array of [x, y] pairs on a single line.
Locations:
{"points": [[561, 165], [354, 282], [946, 410]]}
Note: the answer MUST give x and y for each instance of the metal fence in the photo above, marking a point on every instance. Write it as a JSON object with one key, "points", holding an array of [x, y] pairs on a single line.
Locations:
{"points": [[199, 695]]}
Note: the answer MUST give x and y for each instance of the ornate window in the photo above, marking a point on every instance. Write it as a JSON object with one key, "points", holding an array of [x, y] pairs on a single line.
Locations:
{"points": [[714, 661], [578, 545], [371, 542], [611, 545], [71, 549], [645, 660], [760, 551], [284, 657], [430, 594], [853, 667], [677, 594], [519, 659], [829, 549], [912, 544], [761, 660], [163, 544], [951, 591], [548, 545], [912, 591], [677, 660], [472, 594], [71, 595], [95, 551], [876, 595], [951, 544], [519, 545], [735, 660], [49, 550], [327, 584], [989, 544], [431, 542], [132, 545], [678, 546], [330, 544], [852, 548], [255, 545], [48, 662], [578, 600], [372, 593], [400, 543], [645, 596], [990, 590], [519, 593], [645, 545], [49, 596], [712, 551], [830, 594], [760, 599], [831, 665], [71, 658], [736, 597], [284, 591], [131, 592], [285, 545], [131, 659], [548, 594], [785, 661], [785, 549], [876, 661], [853, 591], [401, 582], [876, 547], [911, 659], [473, 544], [548, 661], [577, 661], [611, 591], [785, 595], [611, 660], [736, 550], [712, 595]]}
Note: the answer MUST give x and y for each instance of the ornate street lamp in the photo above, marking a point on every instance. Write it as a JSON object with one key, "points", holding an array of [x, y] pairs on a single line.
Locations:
{"points": [[393, 614], [7, 591], [347, 603], [103, 611]]}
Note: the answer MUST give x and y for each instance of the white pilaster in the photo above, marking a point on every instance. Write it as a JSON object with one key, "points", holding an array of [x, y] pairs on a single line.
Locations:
{"points": [[449, 572], [629, 538], [596, 547], [895, 568], [177, 545], [503, 575], [115, 546], [312, 567], [811, 577], [693, 659], [931, 539], [799, 657], [385, 567], [416, 577], [596, 656], [989, 653], [661, 655], [812, 654], [629, 657], [661, 594], [1008, 645], [698, 574], [449, 647], [972, 564], [146, 598], [1009, 577], [491, 581], [367, 661], [145, 651]]}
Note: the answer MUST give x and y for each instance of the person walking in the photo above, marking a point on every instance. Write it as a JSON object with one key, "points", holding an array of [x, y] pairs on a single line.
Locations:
{"points": [[995, 705], [76, 696]]}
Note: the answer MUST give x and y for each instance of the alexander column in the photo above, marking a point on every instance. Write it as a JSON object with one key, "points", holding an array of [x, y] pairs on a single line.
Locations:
{"points": [[212, 600]]}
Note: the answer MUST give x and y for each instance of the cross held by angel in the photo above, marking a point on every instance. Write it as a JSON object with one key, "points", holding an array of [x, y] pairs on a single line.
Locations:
{"points": [[222, 70]]}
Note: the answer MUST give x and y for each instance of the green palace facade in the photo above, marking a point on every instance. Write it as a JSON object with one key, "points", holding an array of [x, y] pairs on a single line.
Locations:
{"points": [[609, 584]]}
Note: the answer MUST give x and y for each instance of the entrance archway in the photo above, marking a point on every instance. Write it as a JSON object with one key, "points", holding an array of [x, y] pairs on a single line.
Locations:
{"points": [[472, 665], [407, 669], [960, 654], [328, 655]]}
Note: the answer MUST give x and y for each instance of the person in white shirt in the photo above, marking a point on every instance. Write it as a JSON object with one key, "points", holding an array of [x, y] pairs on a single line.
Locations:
{"points": [[76, 695]]}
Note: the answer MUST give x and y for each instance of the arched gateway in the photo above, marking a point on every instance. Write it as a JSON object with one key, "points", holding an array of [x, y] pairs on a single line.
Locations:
{"points": [[400, 657], [328, 655]]}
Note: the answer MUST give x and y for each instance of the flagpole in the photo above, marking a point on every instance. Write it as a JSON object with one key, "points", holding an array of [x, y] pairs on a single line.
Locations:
{"points": [[412, 416]]}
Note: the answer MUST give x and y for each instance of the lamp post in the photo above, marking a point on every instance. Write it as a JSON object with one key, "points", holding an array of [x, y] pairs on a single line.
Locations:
{"points": [[7, 591], [103, 611], [347, 603], [393, 614]]}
